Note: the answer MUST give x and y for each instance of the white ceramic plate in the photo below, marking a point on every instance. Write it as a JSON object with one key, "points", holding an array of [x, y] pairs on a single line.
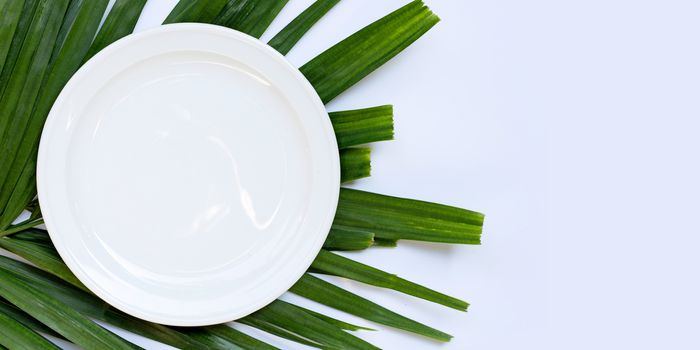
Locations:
{"points": [[188, 175]]}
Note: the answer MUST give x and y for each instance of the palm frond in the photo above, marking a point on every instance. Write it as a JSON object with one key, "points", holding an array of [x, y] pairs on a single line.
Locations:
{"points": [[43, 43]]}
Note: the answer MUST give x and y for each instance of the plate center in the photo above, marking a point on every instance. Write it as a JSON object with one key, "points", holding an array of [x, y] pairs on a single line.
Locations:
{"points": [[208, 150]]}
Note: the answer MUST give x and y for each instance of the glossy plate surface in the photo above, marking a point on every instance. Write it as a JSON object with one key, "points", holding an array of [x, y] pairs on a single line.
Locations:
{"points": [[188, 175]]}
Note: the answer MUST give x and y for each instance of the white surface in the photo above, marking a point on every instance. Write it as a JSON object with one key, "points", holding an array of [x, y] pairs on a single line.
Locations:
{"points": [[209, 150], [573, 125]]}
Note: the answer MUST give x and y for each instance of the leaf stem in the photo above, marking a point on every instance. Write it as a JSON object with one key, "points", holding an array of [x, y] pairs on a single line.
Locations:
{"points": [[27, 224]]}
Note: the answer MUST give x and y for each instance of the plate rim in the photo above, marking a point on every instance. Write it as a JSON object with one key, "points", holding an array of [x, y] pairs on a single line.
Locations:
{"points": [[43, 182]]}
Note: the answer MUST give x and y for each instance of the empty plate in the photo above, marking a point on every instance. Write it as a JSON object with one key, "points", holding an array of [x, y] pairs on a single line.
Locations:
{"points": [[188, 175]]}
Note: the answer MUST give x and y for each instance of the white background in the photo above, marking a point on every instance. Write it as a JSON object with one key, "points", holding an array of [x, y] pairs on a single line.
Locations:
{"points": [[572, 125]]}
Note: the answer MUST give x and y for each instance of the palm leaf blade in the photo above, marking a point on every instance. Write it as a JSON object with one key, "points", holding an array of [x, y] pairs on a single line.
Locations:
{"points": [[17, 40], [338, 323], [72, 42], [237, 337], [334, 264], [249, 16], [354, 164], [393, 218], [346, 63], [295, 319], [318, 290], [360, 126], [12, 11], [201, 11], [348, 238], [26, 319], [43, 256], [119, 23], [91, 306], [295, 30], [279, 332], [15, 335], [22, 89], [57, 315]]}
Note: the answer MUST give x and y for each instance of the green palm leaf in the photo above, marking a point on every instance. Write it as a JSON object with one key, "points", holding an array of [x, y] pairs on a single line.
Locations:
{"points": [[279, 332], [21, 226], [71, 44], [362, 126], [294, 319], [18, 98], [340, 324], [346, 63], [392, 218], [42, 255], [120, 22], [249, 16], [334, 264], [57, 315], [15, 335], [10, 59], [348, 238], [295, 30], [239, 338], [93, 307], [202, 11], [26, 319], [354, 164], [11, 14], [323, 292]]}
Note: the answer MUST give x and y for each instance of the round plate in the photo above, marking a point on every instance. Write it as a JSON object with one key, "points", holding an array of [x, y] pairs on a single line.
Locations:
{"points": [[188, 175]]}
